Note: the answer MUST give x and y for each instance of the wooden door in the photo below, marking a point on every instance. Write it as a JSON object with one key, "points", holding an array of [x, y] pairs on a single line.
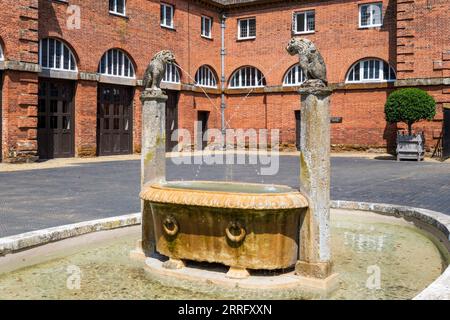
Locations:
{"points": [[114, 120], [56, 119]]}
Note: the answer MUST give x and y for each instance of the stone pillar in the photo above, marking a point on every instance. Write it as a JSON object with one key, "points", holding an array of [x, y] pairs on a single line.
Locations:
{"points": [[153, 158], [314, 250]]}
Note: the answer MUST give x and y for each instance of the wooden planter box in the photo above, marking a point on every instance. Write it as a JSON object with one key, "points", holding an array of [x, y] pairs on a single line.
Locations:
{"points": [[410, 147]]}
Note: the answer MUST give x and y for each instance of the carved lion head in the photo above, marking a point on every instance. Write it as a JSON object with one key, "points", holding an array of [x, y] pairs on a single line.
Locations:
{"points": [[300, 46], [165, 56]]}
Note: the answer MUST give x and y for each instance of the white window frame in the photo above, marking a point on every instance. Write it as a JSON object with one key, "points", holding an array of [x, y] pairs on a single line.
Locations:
{"points": [[163, 15], [306, 13], [294, 77], [371, 25], [360, 67], [239, 78], [114, 11], [2, 56], [61, 59], [247, 20], [172, 74], [116, 70], [205, 77], [206, 21]]}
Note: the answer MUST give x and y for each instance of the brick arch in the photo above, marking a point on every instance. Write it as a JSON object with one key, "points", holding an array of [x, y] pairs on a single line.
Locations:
{"points": [[390, 66], [67, 44], [126, 54], [214, 72], [234, 73]]}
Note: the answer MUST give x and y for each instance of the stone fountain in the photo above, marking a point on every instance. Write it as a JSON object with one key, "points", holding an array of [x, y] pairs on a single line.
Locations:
{"points": [[246, 227]]}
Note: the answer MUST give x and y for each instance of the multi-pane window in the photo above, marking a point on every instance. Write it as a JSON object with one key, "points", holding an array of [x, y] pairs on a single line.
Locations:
{"points": [[247, 28], [371, 15], [205, 77], [117, 7], [304, 22], [54, 54], [166, 15], [371, 70], [116, 63], [172, 74], [294, 77], [247, 77], [206, 26]]}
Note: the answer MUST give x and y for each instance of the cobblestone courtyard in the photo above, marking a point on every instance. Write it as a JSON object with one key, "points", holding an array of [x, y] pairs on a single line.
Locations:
{"points": [[37, 199]]}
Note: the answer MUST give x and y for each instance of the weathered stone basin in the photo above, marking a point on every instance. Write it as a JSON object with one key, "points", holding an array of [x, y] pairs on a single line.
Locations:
{"points": [[248, 226]]}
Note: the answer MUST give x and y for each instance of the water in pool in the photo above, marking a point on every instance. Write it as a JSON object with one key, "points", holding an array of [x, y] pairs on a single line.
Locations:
{"points": [[363, 247]]}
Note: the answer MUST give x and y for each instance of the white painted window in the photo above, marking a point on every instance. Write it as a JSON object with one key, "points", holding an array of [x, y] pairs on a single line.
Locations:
{"points": [[166, 15], [294, 76], [247, 28], [54, 54], [247, 77], [118, 7], [2, 57], [205, 77], [116, 63], [371, 70], [206, 26], [172, 74], [370, 15], [304, 22]]}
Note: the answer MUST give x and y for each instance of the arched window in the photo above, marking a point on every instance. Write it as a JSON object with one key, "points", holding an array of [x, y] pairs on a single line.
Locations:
{"points": [[172, 74], [2, 57], [294, 76], [205, 77], [247, 77], [55, 54], [116, 63], [371, 70]]}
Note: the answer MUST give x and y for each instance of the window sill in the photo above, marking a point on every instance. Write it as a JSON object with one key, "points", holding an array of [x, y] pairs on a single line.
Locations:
{"points": [[370, 27], [118, 15], [171, 28], [207, 38], [303, 33], [246, 39]]}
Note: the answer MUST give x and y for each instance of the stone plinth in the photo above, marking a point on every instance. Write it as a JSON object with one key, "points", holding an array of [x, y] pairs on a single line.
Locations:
{"points": [[314, 252], [153, 159]]}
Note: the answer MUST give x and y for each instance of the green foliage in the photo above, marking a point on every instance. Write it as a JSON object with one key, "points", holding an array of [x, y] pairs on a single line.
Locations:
{"points": [[409, 106]]}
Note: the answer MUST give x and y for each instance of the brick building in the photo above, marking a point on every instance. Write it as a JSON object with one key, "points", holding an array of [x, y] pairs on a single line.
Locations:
{"points": [[71, 71]]}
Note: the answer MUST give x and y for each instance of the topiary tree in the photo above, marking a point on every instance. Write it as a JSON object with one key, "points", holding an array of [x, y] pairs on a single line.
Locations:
{"points": [[409, 105]]}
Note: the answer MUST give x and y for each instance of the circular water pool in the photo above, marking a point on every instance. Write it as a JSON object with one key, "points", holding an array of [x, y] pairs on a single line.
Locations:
{"points": [[376, 258]]}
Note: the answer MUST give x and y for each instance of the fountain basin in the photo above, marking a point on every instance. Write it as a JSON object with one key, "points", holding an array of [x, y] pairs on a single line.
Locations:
{"points": [[249, 226]]}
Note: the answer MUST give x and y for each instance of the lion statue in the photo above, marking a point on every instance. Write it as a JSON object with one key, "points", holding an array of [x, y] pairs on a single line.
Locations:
{"points": [[311, 62], [157, 68]]}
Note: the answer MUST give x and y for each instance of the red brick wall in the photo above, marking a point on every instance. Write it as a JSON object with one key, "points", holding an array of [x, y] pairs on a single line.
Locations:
{"points": [[18, 38], [414, 38]]}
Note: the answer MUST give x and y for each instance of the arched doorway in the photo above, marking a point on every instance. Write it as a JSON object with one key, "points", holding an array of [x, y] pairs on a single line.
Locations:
{"points": [[115, 104], [56, 132]]}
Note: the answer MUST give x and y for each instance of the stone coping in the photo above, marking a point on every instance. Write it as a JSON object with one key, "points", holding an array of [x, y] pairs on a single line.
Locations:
{"points": [[161, 193], [440, 288], [42, 237]]}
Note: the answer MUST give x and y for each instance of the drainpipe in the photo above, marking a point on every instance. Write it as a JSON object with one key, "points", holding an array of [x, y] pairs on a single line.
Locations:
{"points": [[222, 78]]}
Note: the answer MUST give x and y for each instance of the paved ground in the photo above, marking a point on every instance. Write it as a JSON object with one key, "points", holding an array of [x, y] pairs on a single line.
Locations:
{"points": [[36, 199]]}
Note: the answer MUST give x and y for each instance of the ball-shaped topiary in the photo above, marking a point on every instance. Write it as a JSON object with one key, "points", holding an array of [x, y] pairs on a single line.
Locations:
{"points": [[409, 105]]}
